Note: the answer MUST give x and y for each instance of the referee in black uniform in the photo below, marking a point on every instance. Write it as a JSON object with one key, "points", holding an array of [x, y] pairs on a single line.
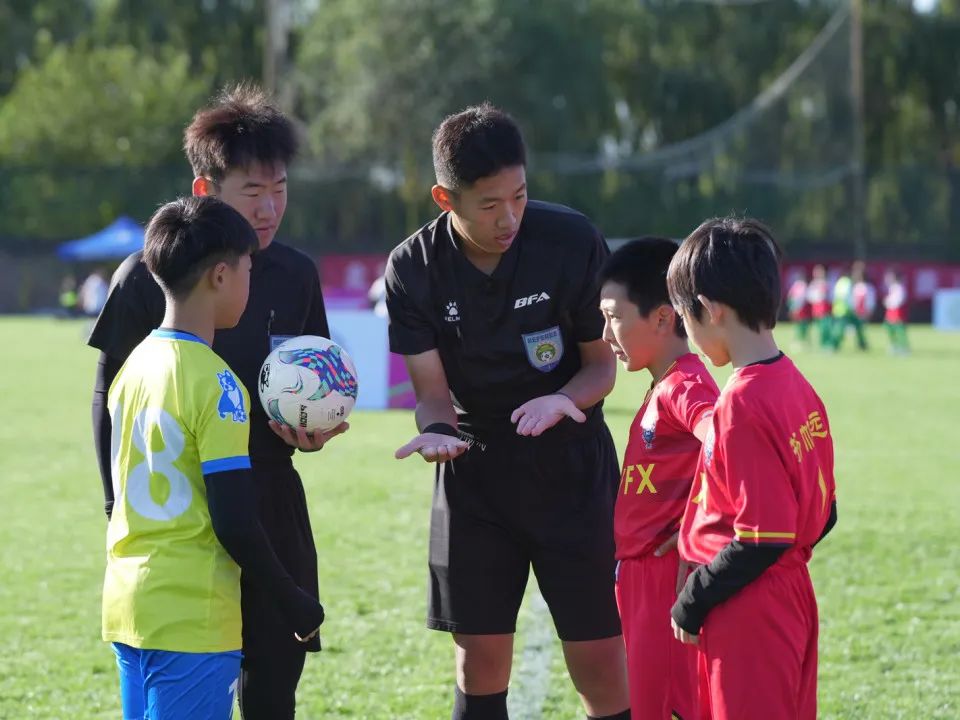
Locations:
{"points": [[239, 149], [495, 306]]}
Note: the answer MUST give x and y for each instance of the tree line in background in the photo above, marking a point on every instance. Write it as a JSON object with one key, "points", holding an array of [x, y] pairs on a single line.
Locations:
{"points": [[646, 114]]}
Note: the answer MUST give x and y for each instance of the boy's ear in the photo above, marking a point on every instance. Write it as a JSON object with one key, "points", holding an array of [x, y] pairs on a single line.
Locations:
{"points": [[214, 275], [202, 187], [442, 197], [666, 317], [713, 308]]}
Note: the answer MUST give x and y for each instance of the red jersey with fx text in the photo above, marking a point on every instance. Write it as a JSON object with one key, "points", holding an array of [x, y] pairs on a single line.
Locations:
{"points": [[661, 457], [765, 474]]}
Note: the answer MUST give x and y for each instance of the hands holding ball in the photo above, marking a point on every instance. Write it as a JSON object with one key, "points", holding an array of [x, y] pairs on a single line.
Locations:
{"points": [[308, 387]]}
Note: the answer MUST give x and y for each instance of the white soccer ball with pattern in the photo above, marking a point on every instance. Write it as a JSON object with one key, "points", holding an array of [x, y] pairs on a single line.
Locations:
{"points": [[308, 382]]}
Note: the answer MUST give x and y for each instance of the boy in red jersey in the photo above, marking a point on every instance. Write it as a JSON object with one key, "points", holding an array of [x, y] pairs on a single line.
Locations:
{"points": [[798, 308], [645, 333], [895, 315], [821, 306], [765, 490]]}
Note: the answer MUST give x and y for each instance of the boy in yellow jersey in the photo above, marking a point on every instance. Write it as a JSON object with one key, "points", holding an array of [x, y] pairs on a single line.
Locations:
{"points": [[184, 522]]}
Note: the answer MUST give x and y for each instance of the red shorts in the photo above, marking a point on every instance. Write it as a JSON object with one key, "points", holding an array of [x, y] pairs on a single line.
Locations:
{"points": [[758, 650], [821, 310], [662, 671]]}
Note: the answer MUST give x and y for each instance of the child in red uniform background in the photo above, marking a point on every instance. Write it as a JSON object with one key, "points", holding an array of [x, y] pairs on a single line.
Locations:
{"points": [[798, 308], [821, 306], [863, 294], [765, 493], [895, 313], [658, 468]]}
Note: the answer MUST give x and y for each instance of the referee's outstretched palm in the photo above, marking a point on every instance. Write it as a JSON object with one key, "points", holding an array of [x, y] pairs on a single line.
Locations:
{"points": [[537, 416], [433, 447]]}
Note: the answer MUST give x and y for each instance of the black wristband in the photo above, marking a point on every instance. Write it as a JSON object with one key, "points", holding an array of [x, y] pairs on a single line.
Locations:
{"points": [[442, 428]]}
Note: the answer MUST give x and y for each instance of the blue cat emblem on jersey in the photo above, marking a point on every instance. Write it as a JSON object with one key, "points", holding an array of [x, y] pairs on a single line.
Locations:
{"points": [[544, 348], [231, 401]]}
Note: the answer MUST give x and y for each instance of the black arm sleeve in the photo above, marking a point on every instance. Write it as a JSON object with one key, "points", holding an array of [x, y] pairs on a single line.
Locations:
{"points": [[734, 567], [831, 521], [107, 369], [231, 498]]}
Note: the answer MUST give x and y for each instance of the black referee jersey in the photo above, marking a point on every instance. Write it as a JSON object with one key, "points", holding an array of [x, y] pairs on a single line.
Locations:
{"points": [[285, 301], [508, 337]]}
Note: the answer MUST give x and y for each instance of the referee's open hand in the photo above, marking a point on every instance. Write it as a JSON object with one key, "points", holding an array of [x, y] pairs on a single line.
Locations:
{"points": [[302, 440], [433, 447], [537, 416]]}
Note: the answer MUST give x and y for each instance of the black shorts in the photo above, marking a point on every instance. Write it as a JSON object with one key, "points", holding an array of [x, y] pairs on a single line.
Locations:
{"points": [[283, 514], [523, 502]]}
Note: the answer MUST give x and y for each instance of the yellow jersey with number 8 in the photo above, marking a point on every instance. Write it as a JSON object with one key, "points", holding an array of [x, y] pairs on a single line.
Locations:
{"points": [[178, 412]]}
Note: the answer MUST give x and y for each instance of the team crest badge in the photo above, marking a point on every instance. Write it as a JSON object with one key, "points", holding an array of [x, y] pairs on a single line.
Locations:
{"points": [[231, 400], [708, 445], [648, 424], [544, 348]]}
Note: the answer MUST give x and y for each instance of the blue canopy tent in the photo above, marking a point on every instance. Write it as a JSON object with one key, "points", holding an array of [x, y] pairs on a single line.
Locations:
{"points": [[115, 241]]}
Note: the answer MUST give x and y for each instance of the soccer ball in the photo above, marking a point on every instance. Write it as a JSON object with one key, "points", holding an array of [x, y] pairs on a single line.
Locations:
{"points": [[308, 382]]}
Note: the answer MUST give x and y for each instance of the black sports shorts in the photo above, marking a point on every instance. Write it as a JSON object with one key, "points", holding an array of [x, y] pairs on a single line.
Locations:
{"points": [[283, 515], [520, 502]]}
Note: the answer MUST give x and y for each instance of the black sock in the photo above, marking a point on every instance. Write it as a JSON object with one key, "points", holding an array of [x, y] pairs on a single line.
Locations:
{"points": [[625, 715], [479, 707]]}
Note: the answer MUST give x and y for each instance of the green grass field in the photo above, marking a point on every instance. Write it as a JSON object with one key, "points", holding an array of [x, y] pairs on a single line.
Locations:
{"points": [[887, 578]]}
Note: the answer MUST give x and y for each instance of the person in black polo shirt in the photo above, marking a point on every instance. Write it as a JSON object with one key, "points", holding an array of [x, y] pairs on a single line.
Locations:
{"points": [[495, 305], [239, 150]]}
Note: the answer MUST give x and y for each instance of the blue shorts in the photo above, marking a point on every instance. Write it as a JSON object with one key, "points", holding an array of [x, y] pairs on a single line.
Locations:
{"points": [[158, 684]]}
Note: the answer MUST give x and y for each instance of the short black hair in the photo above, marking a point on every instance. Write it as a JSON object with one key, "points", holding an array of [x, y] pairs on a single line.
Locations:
{"points": [[640, 265], [476, 143], [734, 261], [190, 235], [241, 128]]}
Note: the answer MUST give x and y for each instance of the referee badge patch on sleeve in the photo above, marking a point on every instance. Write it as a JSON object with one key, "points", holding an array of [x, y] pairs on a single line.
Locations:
{"points": [[544, 348]]}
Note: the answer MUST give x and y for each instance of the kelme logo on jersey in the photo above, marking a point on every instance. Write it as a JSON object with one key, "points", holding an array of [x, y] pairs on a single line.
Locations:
{"points": [[530, 300], [544, 348], [231, 401], [451, 312]]}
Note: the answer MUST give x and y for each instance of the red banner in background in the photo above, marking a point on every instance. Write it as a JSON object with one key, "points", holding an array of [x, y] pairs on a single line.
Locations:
{"points": [[347, 279], [351, 272]]}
